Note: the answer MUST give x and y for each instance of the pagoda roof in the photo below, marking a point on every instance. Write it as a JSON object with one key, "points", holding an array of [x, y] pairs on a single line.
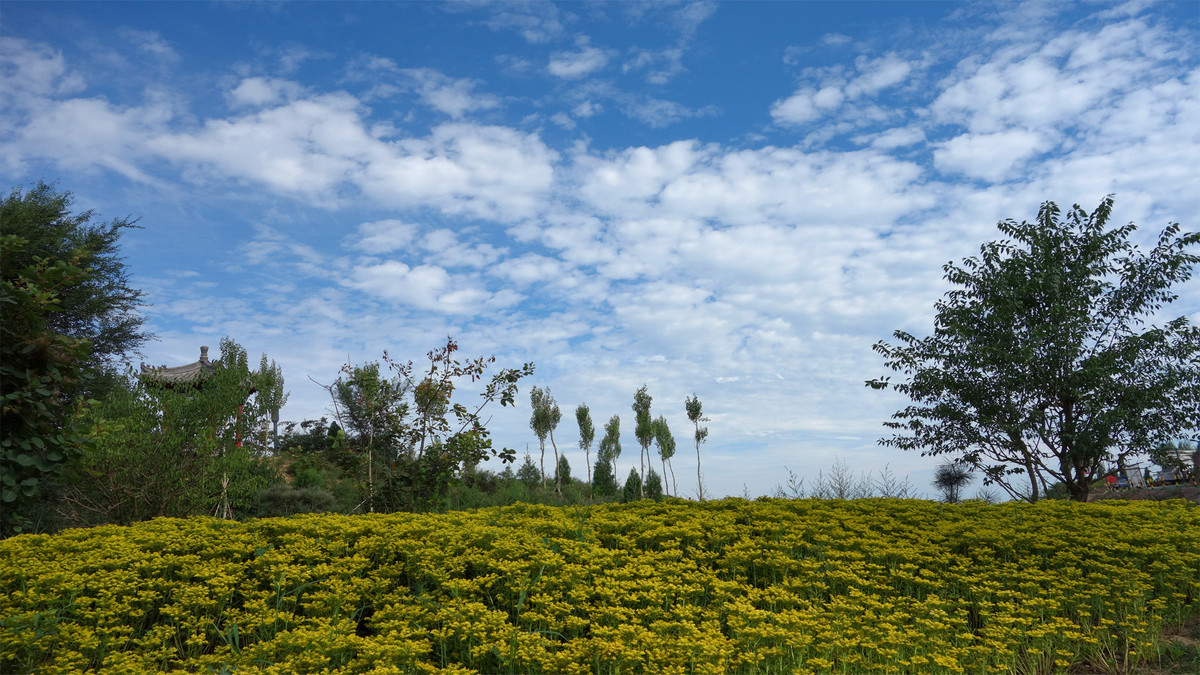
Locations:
{"points": [[186, 374]]}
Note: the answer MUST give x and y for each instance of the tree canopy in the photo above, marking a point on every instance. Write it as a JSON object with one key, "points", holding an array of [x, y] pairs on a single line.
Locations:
{"points": [[100, 306], [67, 314], [1050, 356]]}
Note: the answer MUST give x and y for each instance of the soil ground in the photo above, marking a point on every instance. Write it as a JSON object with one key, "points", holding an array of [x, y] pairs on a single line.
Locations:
{"points": [[1189, 492]]}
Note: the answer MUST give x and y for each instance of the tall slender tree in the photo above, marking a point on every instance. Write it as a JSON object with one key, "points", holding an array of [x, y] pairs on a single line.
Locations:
{"points": [[666, 450], [643, 426], [537, 422], [695, 414], [610, 445], [554, 416], [544, 419], [587, 434]]}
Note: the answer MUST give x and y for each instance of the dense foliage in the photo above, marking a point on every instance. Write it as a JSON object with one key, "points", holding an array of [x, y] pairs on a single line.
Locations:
{"points": [[1040, 369], [721, 586], [161, 450], [67, 315]]}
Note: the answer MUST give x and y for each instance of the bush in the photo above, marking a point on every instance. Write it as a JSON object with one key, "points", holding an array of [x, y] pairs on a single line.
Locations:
{"points": [[901, 586], [279, 499], [654, 487]]}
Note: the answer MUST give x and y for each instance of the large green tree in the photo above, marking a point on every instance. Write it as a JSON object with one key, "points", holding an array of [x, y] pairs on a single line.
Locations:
{"points": [[99, 306], [67, 316], [1051, 355]]}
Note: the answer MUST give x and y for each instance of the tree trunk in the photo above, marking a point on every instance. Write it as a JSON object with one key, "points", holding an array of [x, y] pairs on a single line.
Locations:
{"points": [[642, 461], [557, 473], [542, 445]]}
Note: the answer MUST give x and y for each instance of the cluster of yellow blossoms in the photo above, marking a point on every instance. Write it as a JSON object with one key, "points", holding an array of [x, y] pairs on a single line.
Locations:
{"points": [[868, 586]]}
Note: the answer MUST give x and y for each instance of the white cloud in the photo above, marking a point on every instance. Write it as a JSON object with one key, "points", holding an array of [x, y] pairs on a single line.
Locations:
{"points": [[492, 172], [451, 96], [577, 64], [261, 91], [989, 157], [879, 74], [384, 236], [798, 108], [587, 109], [1052, 84], [33, 70], [898, 137], [150, 42], [427, 287]]}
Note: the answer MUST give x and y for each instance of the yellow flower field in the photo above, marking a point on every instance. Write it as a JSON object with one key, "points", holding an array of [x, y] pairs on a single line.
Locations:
{"points": [[868, 586]]}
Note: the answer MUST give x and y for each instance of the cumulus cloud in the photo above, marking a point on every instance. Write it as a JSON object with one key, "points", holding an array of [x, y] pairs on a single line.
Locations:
{"points": [[1037, 85], [261, 91], [455, 97], [754, 273], [811, 102], [427, 287], [990, 157], [580, 63]]}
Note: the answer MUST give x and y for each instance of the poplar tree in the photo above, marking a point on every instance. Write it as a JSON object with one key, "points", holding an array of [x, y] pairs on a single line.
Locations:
{"points": [[643, 427], [666, 450], [696, 416], [587, 434], [544, 420]]}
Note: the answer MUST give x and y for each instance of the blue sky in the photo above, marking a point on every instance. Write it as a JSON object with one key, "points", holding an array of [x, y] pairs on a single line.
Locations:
{"points": [[734, 200]]}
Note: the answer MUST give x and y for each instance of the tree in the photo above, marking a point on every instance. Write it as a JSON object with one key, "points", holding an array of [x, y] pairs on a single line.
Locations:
{"points": [[444, 435], [604, 480], [696, 416], [654, 486], [373, 408], [271, 393], [39, 371], [643, 426], [632, 491], [562, 471], [544, 419], [170, 449], [666, 448], [610, 445], [1041, 366], [528, 474], [950, 478], [99, 306], [587, 434], [67, 317]]}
